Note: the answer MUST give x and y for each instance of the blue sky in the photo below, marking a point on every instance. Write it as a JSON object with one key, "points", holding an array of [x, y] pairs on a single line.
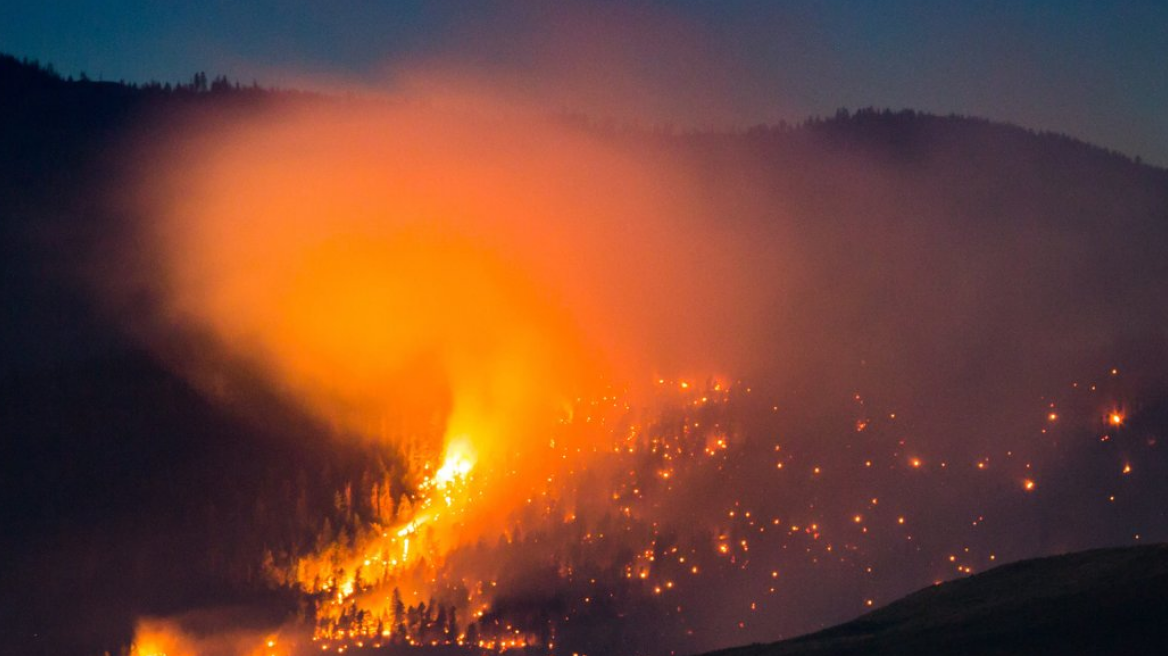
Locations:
{"points": [[1095, 70]]}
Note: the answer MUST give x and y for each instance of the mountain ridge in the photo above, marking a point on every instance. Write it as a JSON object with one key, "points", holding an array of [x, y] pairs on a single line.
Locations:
{"points": [[965, 200]]}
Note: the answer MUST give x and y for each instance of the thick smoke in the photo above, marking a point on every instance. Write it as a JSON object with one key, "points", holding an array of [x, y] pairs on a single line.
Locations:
{"points": [[398, 268]]}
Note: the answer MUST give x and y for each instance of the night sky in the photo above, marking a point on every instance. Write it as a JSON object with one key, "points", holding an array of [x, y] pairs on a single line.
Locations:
{"points": [[1096, 71]]}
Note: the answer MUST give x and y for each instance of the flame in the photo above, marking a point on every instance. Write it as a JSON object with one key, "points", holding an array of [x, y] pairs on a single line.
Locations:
{"points": [[153, 640], [168, 637], [457, 463]]}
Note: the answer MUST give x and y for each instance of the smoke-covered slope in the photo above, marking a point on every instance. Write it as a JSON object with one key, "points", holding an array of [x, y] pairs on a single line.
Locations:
{"points": [[1106, 601], [955, 268]]}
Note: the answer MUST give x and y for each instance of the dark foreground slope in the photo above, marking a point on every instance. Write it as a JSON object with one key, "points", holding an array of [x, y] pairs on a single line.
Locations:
{"points": [[1105, 601]]}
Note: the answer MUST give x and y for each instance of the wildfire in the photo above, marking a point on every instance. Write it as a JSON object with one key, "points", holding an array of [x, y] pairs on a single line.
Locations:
{"points": [[404, 579], [457, 464], [430, 317]]}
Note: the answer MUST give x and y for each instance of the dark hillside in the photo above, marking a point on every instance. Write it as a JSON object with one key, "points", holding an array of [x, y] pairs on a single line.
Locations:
{"points": [[927, 248], [1108, 601]]}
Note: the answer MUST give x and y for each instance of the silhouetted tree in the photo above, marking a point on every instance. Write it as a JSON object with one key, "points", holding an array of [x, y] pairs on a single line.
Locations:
{"points": [[472, 634], [439, 630], [426, 623], [452, 624], [399, 615]]}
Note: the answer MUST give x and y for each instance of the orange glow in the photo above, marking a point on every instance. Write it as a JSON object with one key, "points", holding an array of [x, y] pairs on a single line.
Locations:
{"points": [[404, 275], [155, 639], [1028, 485], [377, 291], [457, 463], [158, 637], [1115, 418]]}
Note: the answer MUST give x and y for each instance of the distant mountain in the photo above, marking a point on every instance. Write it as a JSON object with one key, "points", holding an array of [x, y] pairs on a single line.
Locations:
{"points": [[936, 250], [1106, 601], [859, 177]]}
